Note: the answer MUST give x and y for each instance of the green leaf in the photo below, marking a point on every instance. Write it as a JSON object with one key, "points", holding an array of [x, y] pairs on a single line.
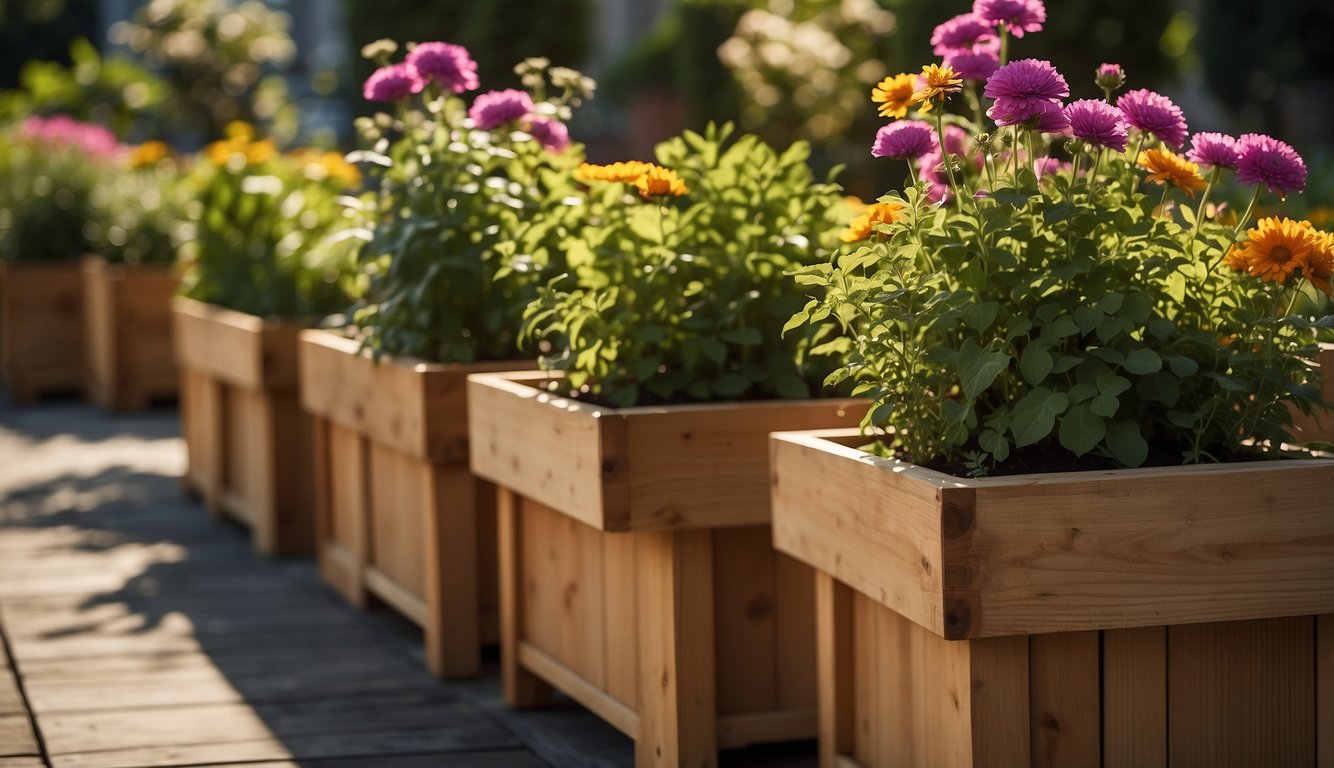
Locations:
{"points": [[1035, 362], [1111, 303], [1111, 384], [1126, 443], [1082, 429], [1182, 366], [1104, 405], [1142, 361], [1087, 318], [713, 349], [746, 337], [790, 386], [1035, 415], [1012, 197], [994, 443], [979, 317], [1057, 212], [730, 384], [978, 368], [1159, 387]]}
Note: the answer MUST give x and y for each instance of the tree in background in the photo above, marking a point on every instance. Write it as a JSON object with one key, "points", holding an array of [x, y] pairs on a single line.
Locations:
{"points": [[41, 29]]}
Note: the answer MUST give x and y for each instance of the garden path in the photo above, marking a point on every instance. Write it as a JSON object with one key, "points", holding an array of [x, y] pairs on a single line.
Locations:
{"points": [[137, 631]]}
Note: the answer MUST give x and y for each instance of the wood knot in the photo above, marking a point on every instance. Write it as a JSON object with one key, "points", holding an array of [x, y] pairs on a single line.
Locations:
{"points": [[1050, 723], [759, 609], [957, 516], [688, 436], [609, 466], [958, 619]]}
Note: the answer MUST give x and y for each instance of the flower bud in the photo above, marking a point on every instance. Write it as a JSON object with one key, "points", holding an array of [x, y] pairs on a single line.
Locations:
{"points": [[1110, 78]]}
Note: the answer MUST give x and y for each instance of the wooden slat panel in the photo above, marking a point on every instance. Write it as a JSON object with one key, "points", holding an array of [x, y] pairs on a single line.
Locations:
{"points": [[43, 344], [289, 436], [1000, 702], [101, 356], [795, 629], [519, 687], [866, 645], [836, 667], [744, 606], [1242, 693], [1065, 699], [451, 543], [621, 630], [398, 494], [348, 518], [1134, 697], [228, 345], [246, 474], [1324, 667]]}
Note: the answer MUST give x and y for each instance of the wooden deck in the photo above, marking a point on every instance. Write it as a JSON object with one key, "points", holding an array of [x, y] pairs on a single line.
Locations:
{"points": [[136, 631]]}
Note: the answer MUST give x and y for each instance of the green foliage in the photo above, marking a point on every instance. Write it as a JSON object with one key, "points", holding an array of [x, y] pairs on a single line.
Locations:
{"points": [[465, 224], [264, 232], [45, 197], [40, 30], [1073, 314], [681, 299], [139, 216]]}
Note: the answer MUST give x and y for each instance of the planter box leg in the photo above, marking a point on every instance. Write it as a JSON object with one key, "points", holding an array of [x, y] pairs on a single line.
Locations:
{"points": [[453, 633], [834, 654], [341, 519], [520, 687], [677, 717]]}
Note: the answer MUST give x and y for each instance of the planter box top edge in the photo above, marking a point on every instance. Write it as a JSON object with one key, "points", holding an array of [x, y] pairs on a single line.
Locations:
{"points": [[256, 353], [331, 338]]}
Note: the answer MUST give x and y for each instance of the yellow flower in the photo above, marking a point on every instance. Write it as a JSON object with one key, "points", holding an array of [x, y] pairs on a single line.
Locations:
{"points": [[937, 84], [1276, 247], [319, 166], [1236, 259], [220, 152], [1319, 264], [240, 129], [660, 182], [884, 213], [895, 95], [862, 225], [616, 172], [858, 229], [1164, 167], [259, 151], [148, 153], [855, 204]]}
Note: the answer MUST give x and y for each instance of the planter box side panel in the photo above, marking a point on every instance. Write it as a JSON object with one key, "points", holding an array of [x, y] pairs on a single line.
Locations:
{"points": [[127, 312], [243, 350], [833, 513], [1190, 545], [201, 427], [43, 328], [709, 467], [399, 498]]}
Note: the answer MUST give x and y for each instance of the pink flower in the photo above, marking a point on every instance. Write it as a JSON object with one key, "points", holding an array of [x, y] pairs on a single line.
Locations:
{"points": [[63, 132], [448, 65], [1019, 16], [1214, 149], [1156, 114], [1026, 91], [973, 65], [550, 133], [496, 108], [965, 32], [1046, 166], [1098, 123], [1110, 77], [392, 83], [905, 139], [930, 170], [1268, 161]]}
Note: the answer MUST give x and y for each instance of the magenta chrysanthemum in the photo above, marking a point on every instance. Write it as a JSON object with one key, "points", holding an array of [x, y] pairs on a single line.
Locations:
{"points": [[1268, 161], [1215, 149], [64, 132], [550, 133], [450, 66], [1045, 166], [1026, 90], [973, 65], [495, 108], [1154, 113], [1019, 16], [904, 139], [967, 31], [1098, 123], [392, 83], [930, 170]]}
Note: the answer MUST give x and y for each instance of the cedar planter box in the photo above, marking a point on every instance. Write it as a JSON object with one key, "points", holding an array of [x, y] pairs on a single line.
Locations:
{"points": [[1151, 617], [636, 569], [248, 440], [399, 516], [127, 317], [1319, 426], [41, 328]]}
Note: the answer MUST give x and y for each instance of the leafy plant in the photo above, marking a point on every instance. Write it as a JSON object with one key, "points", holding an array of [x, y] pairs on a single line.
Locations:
{"points": [[139, 214], [1041, 312], [472, 209], [263, 229], [677, 285]]}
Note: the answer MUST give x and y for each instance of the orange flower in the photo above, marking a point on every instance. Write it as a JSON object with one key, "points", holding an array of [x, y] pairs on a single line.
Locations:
{"points": [[148, 153], [1236, 259], [884, 213], [660, 182], [1276, 247], [937, 84], [616, 172], [895, 95], [863, 226], [1319, 264], [1164, 167]]}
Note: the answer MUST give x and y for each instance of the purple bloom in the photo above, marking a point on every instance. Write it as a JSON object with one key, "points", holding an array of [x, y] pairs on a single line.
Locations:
{"points": [[1026, 90], [1019, 16], [550, 133], [1213, 149], [1268, 161], [905, 139], [973, 65], [1110, 77], [64, 132], [392, 83], [931, 170], [1049, 165], [495, 108], [965, 32], [1098, 123], [1156, 114], [448, 65]]}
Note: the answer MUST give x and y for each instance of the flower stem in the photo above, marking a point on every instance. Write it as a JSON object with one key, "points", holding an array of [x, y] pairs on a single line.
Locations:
{"points": [[945, 155], [1246, 218], [1093, 177], [912, 174], [1004, 43], [975, 101], [1199, 211]]}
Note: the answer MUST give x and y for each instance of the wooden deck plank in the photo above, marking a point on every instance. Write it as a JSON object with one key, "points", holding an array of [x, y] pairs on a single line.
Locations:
{"points": [[507, 759], [16, 737]]}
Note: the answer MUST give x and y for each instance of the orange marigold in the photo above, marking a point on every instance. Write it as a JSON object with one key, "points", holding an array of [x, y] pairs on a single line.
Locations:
{"points": [[937, 84], [148, 153], [1319, 265], [1164, 167], [863, 226], [616, 172], [660, 182], [895, 95], [1275, 248]]}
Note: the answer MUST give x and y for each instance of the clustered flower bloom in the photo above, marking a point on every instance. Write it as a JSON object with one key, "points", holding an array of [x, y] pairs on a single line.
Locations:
{"points": [[1165, 167], [660, 182], [937, 83], [496, 108], [1154, 113], [651, 180], [1276, 247], [450, 66], [64, 132], [904, 140], [973, 65], [1017, 16], [1028, 91], [1268, 161], [392, 82], [1098, 123], [895, 95], [550, 133], [1213, 149]]}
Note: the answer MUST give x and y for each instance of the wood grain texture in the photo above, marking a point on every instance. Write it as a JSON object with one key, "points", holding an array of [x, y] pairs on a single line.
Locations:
{"points": [[835, 667], [1134, 697], [41, 328], [127, 316], [1051, 553], [519, 687], [242, 350], [1324, 691], [1064, 699]]}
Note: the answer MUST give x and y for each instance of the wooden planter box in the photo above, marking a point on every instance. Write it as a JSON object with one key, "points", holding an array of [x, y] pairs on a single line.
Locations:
{"points": [[399, 516], [1153, 617], [1319, 426], [127, 327], [41, 328], [248, 440], [636, 570]]}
